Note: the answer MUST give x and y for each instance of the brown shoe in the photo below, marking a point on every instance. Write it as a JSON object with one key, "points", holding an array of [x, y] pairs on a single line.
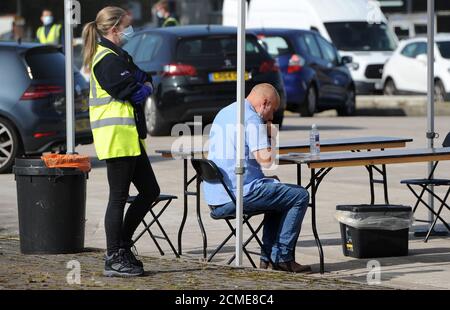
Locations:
{"points": [[293, 266], [265, 265]]}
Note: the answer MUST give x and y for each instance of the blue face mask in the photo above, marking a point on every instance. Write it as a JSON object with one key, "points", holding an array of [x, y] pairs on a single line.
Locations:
{"points": [[126, 34], [160, 14], [47, 20]]}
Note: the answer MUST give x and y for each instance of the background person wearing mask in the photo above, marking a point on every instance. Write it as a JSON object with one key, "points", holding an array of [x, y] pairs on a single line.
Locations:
{"points": [[163, 13], [49, 33], [118, 91]]}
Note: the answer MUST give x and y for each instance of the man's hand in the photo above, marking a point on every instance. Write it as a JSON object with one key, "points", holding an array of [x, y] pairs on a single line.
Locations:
{"points": [[264, 157]]}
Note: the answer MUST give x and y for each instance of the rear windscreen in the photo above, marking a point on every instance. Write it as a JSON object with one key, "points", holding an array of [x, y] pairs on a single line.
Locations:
{"points": [[276, 46], [45, 64], [215, 47]]}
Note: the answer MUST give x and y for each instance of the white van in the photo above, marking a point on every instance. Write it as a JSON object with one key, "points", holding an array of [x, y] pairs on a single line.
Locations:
{"points": [[357, 28]]}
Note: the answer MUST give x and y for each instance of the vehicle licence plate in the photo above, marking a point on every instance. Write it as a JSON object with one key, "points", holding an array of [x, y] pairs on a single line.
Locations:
{"points": [[228, 76]]}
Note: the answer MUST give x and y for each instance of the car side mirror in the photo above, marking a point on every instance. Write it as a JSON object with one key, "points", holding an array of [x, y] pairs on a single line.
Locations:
{"points": [[422, 58], [345, 60]]}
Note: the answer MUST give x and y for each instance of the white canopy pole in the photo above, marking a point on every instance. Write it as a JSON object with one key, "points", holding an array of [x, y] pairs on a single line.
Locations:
{"points": [[240, 169], [68, 50], [430, 106]]}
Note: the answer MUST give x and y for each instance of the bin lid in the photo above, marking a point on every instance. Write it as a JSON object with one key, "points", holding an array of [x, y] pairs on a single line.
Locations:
{"points": [[36, 166], [374, 208]]}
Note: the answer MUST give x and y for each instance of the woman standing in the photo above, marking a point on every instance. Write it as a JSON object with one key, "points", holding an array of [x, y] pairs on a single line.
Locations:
{"points": [[118, 89]]}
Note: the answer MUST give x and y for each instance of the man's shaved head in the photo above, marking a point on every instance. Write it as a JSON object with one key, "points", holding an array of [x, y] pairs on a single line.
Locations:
{"points": [[267, 91], [265, 99]]}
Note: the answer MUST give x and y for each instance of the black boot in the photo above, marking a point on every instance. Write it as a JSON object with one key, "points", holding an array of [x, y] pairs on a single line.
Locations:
{"points": [[118, 265]]}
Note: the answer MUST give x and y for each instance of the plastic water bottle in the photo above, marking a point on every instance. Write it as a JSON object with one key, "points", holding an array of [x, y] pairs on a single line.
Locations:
{"points": [[314, 140]]}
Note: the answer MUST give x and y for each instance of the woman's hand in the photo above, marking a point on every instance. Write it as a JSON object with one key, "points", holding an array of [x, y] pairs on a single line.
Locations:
{"points": [[141, 94]]}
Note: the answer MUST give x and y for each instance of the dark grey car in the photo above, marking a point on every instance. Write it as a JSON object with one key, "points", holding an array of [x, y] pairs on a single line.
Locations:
{"points": [[194, 72], [32, 102]]}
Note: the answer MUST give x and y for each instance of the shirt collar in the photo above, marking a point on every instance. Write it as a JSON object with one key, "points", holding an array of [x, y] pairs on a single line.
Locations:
{"points": [[249, 105], [108, 44]]}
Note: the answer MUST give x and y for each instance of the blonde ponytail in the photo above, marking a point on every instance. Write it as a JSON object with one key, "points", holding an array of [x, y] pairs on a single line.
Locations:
{"points": [[90, 37], [107, 18]]}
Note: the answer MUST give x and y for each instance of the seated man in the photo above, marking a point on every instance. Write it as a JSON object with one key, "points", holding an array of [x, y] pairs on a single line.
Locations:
{"points": [[285, 204]]}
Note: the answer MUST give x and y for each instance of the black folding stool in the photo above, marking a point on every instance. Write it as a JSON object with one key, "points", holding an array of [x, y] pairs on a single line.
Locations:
{"points": [[165, 200], [425, 185]]}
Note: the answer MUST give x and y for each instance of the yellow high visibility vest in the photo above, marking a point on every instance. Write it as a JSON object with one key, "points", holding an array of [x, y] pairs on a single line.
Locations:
{"points": [[170, 22], [52, 37], [112, 121]]}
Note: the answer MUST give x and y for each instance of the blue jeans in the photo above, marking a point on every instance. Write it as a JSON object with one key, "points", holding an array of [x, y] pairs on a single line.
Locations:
{"points": [[285, 206]]}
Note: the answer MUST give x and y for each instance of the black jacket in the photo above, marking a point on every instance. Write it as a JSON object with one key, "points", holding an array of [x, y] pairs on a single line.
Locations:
{"points": [[115, 74]]}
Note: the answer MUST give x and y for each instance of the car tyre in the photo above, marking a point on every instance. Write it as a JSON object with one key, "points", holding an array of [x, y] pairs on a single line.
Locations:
{"points": [[390, 89], [349, 107], [309, 106], [10, 146], [439, 91], [156, 126]]}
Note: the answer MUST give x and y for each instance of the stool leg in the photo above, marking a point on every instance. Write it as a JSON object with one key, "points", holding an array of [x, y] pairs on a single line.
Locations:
{"points": [[211, 256], [164, 232], [147, 228], [199, 218], [253, 236]]}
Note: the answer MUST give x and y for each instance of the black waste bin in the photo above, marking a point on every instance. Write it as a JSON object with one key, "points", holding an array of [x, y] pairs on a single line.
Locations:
{"points": [[51, 206], [370, 231]]}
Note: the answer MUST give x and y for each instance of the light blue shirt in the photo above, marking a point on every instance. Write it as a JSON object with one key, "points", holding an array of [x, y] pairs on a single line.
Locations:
{"points": [[222, 151]]}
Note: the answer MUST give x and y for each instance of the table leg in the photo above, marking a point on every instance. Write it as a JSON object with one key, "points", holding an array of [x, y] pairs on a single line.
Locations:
{"points": [[185, 205], [372, 184], [383, 181], [313, 219], [299, 175], [372, 181], [385, 184]]}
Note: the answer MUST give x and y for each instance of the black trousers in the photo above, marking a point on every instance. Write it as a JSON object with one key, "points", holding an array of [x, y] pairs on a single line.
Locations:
{"points": [[122, 172]]}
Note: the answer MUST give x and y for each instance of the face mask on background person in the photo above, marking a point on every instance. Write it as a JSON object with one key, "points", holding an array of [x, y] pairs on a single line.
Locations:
{"points": [[126, 34], [47, 20], [160, 14]]}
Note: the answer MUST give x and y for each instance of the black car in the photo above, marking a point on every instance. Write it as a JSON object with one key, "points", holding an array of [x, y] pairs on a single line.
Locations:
{"points": [[32, 102], [316, 78], [194, 72]]}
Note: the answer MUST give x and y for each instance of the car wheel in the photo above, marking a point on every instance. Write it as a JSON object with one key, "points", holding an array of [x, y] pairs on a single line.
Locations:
{"points": [[389, 88], [309, 106], [156, 126], [439, 91], [349, 107], [9, 145]]}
